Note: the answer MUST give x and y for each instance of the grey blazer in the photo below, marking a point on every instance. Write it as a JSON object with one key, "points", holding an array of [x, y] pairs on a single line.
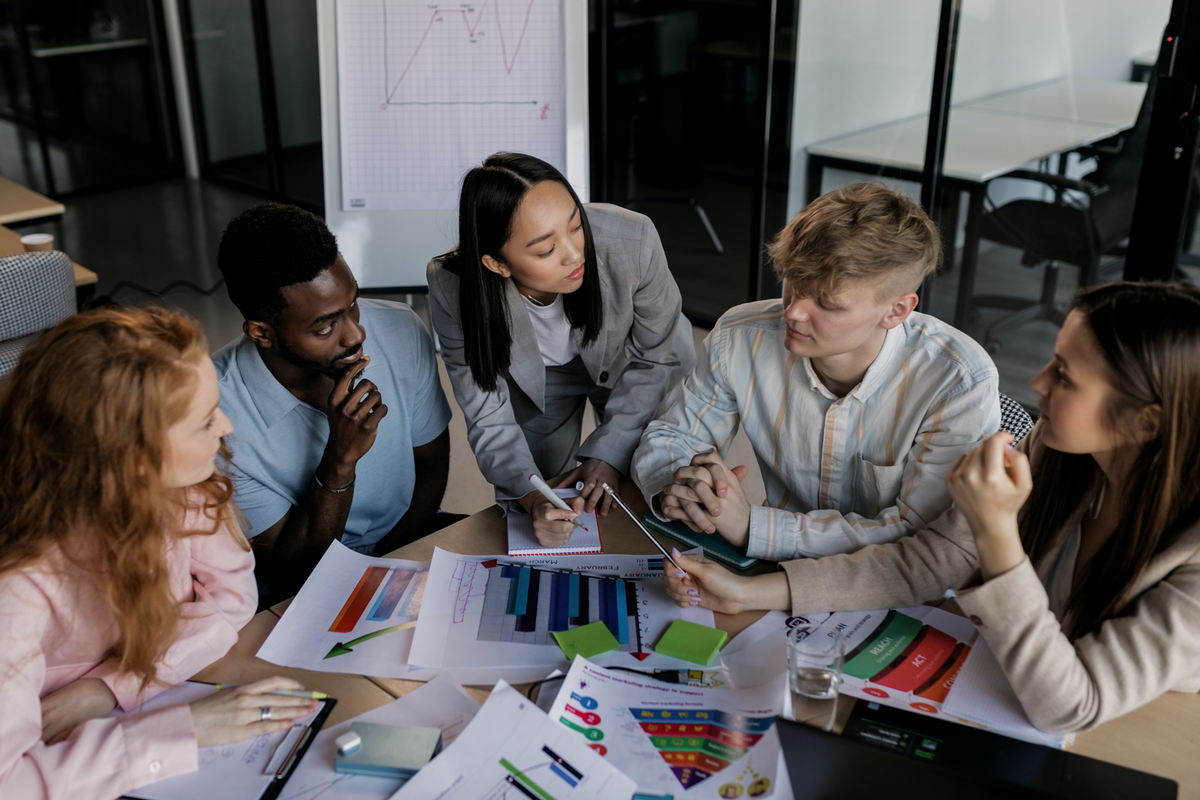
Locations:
{"points": [[645, 346], [1063, 685]]}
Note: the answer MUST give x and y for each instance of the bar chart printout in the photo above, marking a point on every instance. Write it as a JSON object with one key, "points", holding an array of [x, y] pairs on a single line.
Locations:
{"points": [[429, 89], [526, 604], [489, 617], [355, 614]]}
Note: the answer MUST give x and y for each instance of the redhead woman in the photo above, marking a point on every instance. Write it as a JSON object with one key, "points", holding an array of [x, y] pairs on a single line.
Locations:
{"points": [[1076, 555], [122, 568], [545, 304]]}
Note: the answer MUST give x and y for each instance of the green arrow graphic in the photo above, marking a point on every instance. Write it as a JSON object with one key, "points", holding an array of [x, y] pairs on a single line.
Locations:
{"points": [[340, 649]]}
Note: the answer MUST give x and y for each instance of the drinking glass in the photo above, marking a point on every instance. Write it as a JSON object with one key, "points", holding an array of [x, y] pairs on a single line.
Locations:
{"points": [[815, 654]]}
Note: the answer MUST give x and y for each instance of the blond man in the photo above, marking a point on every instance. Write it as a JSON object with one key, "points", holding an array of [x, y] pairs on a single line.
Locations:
{"points": [[855, 404]]}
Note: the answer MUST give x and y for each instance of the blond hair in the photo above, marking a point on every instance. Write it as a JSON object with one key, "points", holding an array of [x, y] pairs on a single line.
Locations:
{"points": [[864, 231]]}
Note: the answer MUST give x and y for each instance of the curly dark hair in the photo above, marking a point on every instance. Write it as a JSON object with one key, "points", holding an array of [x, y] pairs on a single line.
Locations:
{"points": [[268, 247]]}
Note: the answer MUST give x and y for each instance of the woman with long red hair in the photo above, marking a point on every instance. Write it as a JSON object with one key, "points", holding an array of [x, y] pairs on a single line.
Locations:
{"points": [[122, 568]]}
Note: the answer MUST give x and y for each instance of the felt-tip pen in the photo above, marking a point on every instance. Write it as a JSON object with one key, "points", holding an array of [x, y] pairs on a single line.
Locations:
{"points": [[281, 692], [558, 502]]}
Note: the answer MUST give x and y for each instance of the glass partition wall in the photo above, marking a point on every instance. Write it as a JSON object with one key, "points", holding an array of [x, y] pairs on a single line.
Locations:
{"points": [[255, 95], [690, 117], [1044, 126], [85, 96]]}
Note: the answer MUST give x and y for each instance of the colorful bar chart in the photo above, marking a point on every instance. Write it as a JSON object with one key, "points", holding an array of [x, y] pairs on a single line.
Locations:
{"points": [[527, 604], [698, 743], [389, 598], [358, 600]]}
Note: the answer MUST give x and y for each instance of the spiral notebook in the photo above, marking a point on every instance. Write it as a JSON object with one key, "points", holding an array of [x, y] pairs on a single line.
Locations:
{"points": [[522, 541]]}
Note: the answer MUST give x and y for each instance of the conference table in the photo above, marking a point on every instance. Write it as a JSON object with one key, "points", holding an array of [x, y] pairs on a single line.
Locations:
{"points": [[985, 139], [1162, 738]]}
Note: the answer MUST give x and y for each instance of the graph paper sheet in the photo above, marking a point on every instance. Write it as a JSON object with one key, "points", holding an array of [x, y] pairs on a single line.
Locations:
{"points": [[428, 90]]}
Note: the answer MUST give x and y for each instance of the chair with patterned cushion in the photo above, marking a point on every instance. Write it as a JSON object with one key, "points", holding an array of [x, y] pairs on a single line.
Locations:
{"points": [[1014, 418], [37, 291]]}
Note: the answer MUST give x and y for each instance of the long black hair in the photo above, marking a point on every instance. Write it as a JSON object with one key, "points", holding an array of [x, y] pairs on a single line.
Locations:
{"points": [[490, 196]]}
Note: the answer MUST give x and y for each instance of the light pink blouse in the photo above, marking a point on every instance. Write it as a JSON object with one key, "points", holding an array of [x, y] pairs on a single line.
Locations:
{"points": [[56, 627]]}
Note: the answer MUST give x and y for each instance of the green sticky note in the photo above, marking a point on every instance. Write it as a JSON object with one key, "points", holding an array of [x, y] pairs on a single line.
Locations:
{"points": [[691, 642], [586, 640]]}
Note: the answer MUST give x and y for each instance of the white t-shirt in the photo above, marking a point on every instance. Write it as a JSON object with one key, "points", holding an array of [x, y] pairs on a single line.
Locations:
{"points": [[553, 331]]}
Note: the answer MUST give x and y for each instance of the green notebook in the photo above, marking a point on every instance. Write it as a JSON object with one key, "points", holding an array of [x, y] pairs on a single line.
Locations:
{"points": [[715, 547]]}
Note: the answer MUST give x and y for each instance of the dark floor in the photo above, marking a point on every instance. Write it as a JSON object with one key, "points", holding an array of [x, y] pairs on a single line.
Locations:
{"points": [[156, 234]]}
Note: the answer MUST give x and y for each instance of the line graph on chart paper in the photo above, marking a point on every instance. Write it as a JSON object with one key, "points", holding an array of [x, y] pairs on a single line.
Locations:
{"points": [[428, 90]]}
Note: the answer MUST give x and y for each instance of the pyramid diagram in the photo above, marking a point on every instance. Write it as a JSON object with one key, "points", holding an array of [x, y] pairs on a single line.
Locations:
{"points": [[699, 743]]}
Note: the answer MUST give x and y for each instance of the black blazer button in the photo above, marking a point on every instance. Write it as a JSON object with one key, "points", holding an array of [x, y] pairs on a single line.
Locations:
{"points": [[603, 377]]}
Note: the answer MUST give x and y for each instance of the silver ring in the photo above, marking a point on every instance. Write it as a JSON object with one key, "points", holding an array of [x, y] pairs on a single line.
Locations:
{"points": [[264, 713]]}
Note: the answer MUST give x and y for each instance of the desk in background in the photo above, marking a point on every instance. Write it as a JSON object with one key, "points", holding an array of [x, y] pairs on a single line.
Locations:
{"points": [[986, 139], [1163, 737], [18, 204], [85, 279]]}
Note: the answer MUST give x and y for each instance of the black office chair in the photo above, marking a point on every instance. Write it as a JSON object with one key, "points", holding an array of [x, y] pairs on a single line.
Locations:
{"points": [[1087, 219]]}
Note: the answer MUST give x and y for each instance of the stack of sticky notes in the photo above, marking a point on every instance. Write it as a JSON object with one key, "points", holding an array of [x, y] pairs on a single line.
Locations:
{"points": [[691, 642], [389, 751], [586, 640]]}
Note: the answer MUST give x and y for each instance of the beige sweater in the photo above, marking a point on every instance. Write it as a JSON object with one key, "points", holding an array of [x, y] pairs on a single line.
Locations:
{"points": [[1063, 685]]}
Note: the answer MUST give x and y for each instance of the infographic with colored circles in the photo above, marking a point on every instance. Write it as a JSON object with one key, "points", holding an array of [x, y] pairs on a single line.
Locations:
{"points": [[676, 740], [906, 657]]}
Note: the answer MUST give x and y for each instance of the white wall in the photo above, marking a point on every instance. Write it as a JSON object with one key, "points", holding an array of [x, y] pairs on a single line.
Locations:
{"points": [[861, 63]]}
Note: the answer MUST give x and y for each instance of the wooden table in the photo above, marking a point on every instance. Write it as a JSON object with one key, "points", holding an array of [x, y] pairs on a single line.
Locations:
{"points": [[18, 204], [85, 279], [1162, 737]]}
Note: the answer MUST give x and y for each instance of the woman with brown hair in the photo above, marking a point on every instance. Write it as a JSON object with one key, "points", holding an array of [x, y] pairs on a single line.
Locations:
{"points": [[122, 568], [1078, 553]]}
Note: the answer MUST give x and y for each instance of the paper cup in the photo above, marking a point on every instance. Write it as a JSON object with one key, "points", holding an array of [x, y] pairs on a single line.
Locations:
{"points": [[36, 242]]}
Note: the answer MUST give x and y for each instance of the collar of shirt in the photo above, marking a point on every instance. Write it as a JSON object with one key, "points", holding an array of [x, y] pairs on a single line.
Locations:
{"points": [[270, 397], [874, 375]]}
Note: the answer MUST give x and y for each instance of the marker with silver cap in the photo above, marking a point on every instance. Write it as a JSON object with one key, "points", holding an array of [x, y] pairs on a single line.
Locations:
{"points": [[558, 502]]}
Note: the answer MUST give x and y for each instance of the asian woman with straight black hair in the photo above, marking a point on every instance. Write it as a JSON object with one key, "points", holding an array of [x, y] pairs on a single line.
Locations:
{"points": [[547, 303]]}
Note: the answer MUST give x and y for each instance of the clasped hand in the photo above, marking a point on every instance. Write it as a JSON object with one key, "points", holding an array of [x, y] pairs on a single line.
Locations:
{"points": [[707, 496]]}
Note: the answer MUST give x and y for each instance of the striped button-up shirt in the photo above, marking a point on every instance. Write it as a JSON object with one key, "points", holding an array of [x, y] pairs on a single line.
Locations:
{"points": [[840, 472]]}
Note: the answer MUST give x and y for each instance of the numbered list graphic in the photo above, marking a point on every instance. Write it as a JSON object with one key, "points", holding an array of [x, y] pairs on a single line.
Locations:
{"points": [[428, 90]]}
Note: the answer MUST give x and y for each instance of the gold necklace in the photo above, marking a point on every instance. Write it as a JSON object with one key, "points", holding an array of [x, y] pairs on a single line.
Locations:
{"points": [[537, 302]]}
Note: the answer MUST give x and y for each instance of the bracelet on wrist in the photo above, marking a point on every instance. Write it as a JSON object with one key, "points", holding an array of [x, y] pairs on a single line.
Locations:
{"points": [[331, 490]]}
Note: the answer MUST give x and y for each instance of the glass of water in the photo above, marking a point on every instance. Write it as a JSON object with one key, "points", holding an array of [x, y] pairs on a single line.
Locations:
{"points": [[815, 655]]}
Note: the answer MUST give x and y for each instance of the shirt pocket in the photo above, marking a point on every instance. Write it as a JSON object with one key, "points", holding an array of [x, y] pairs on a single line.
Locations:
{"points": [[880, 485]]}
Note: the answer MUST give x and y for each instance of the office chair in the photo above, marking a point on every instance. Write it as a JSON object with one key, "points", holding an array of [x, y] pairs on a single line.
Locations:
{"points": [[37, 291], [1014, 418], [1087, 219]]}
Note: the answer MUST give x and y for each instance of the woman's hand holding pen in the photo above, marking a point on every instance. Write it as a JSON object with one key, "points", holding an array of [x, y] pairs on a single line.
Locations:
{"points": [[238, 714], [707, 584], [551, 525]]}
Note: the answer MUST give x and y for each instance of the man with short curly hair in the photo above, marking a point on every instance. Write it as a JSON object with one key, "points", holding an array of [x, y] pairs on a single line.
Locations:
{"points": [[322, 452]]}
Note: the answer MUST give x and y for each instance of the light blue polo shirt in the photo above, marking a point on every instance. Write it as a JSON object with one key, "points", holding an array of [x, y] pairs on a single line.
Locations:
{"points": [[278, 440]]}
